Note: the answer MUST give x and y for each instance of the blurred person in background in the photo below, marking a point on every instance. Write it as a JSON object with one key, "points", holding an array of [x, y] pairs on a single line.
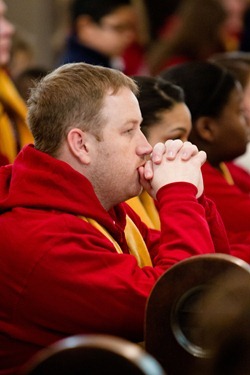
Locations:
{"points": [[238, 63], [199, 32], [236, 11], [220, 128], [101, 32], [161, 15], [14, 133], [164, 116], [135, 55]]}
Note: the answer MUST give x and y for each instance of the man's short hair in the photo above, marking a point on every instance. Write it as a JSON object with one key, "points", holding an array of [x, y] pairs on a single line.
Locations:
{"points": [[71, 96]]}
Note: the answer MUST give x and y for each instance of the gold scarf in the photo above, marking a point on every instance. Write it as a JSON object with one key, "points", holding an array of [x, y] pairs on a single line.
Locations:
{"points": [[12, 103], [144, 206], [226, 174], [136, 244], [150, 208]]}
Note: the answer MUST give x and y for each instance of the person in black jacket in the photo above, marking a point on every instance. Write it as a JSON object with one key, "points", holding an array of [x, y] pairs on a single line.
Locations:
{"points": [[101, 31]]}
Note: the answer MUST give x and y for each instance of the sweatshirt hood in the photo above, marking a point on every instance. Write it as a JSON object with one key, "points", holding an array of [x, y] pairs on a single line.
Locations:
{"points": [[38, 181]]}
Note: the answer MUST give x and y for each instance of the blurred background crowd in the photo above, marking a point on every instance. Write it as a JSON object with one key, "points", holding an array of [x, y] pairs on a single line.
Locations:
{"points": [[167, 32], [139, 37]]}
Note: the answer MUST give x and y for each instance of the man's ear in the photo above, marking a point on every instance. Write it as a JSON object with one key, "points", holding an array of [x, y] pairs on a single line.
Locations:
{"points": [[206, 128], [78, 145]]}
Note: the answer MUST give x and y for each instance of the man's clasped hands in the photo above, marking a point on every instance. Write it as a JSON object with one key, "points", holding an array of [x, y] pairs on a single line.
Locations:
{"points": [[170, 162]]}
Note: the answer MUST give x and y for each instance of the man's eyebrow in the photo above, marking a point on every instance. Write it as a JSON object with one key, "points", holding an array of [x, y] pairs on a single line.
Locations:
{"points": [[133, 121]]}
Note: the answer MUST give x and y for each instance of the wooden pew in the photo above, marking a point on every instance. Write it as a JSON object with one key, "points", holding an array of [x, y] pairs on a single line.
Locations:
{"points": [[93, 355], [172, 318]]}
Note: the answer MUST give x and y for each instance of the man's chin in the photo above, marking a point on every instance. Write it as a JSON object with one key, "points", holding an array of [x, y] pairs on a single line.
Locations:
{"points": [[137, 191]]}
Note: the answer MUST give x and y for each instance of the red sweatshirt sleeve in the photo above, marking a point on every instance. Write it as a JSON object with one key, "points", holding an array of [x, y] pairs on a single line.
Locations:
{"points": [[184, 227]]}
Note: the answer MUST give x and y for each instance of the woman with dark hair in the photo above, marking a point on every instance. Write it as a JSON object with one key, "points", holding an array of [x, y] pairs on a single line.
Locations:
{"points": [[165, 116], [215, 99], [238, 63], [200, 33]]}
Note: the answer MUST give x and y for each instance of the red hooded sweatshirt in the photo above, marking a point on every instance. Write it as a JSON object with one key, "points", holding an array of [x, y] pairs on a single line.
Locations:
{"points": [[60, 276], [233, 204]]}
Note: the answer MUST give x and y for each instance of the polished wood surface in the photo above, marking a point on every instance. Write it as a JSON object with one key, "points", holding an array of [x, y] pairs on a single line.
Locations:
{"points": [[171, 325], [93, 355]]}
